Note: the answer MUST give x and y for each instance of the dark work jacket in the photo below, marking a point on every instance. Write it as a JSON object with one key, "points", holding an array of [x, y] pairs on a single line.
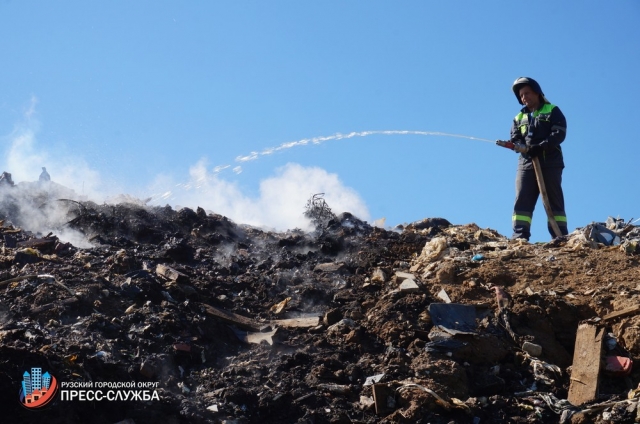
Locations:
{"points": [[548, 128]]}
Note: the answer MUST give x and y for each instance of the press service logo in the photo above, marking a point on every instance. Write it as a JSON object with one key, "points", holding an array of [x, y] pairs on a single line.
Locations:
{"points": [[37, 389]]}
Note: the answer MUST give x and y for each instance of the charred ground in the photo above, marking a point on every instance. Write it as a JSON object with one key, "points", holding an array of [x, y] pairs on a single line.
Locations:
{"points": [[145, 304]]}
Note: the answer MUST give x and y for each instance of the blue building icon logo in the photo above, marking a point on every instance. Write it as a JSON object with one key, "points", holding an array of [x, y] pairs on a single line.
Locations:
{"points": [[37, 389]]}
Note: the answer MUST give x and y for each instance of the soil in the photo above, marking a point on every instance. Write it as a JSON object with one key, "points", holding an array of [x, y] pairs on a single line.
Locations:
{"points": [[144, 304]]}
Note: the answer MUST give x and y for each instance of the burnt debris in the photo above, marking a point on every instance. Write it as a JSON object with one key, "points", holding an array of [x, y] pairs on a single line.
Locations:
{"points": [[435, 323]]}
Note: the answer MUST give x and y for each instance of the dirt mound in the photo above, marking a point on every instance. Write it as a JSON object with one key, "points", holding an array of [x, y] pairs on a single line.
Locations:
{"points": [[433, 323]]}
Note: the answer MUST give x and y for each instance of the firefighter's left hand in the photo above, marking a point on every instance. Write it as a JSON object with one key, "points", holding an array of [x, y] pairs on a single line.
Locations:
{"points": [[535, 150]]}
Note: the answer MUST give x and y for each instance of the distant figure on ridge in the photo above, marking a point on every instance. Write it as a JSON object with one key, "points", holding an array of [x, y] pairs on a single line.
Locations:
{"points": [[5, 179], [44, 176]]}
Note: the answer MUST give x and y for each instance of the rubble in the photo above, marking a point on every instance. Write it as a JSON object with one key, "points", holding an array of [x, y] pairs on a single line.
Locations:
{"points": [[432, 323]]}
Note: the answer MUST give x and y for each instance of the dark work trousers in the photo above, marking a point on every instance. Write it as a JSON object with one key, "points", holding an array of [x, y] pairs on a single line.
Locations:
{"points": [[527, 192]]}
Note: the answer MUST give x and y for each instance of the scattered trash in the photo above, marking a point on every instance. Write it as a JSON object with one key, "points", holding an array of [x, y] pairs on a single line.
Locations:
{"points": [[378, 276], [442, 294], [618, 366], [248, 324], [545, 372], [433, 250], [185, 389], [599, 233], [440, 400], [384, 398], [373, 379], [279, 307], [446, 346], [610, 341], [366, 402], [454, 318], [126, 421], [502, 298], [630, 247], [336, 389], [168, 297]]}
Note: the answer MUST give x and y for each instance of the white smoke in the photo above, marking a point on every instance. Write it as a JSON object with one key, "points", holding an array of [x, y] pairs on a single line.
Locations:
{"points": [[280, 203], [24, 158], [34, 205]]}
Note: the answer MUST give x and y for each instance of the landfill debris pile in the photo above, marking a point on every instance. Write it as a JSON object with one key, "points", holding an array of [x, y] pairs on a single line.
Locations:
{"points": [[432, 322]]}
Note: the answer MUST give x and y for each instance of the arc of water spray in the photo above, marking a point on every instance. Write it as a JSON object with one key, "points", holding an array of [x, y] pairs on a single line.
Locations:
{"points": [[318, 140], [338, 136]]}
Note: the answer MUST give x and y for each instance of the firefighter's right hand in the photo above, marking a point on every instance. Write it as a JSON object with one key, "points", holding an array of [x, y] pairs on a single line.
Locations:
{"points": [[520, 148]]}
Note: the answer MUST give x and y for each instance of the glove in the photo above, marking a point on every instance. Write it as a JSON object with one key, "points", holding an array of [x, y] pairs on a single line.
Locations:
{"points": [[536, 150]]}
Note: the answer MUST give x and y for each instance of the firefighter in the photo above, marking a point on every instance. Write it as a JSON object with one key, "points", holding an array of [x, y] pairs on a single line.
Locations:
{"points": [[542, 127]]}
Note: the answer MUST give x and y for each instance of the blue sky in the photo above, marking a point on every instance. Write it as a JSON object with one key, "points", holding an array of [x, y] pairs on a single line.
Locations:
{"points": [[147, 98]]}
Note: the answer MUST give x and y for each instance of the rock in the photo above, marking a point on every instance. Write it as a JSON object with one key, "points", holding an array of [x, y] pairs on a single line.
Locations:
{"points": [[532, 348], [401, 276], [331, 317], [409, 286], [446, 273], [329, 267]]}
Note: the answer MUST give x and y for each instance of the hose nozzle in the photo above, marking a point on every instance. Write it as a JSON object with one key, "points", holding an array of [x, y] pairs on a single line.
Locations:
{"points": [[517, 147]]}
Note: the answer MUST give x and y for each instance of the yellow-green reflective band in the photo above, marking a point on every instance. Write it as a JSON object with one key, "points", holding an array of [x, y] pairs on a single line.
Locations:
{"points": [[546, 109], [560, 218], [524, 218]]}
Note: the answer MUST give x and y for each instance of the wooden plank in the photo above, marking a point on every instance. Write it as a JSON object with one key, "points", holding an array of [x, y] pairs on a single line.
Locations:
{"points": [[381, 395], [623, 313], [46, 244], [586, 365], [232, 318], [297, 322]]}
